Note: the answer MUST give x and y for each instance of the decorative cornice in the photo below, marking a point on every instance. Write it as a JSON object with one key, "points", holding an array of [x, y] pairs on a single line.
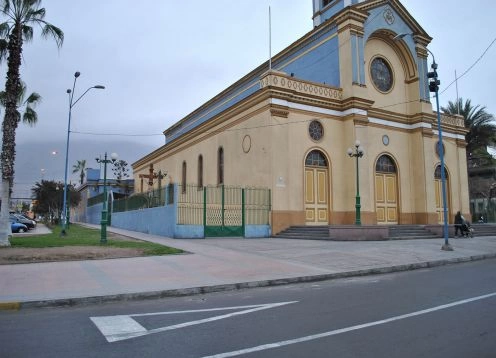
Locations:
{"points": [[351, 14], [279, 112], [280, 80], [356, 102], [452, 120]]}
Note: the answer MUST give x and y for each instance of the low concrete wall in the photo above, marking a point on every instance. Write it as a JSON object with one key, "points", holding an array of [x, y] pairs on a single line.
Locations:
{"points": [[254, 231], [358, 233], [156, 221], [189, 232], [94, 214]]}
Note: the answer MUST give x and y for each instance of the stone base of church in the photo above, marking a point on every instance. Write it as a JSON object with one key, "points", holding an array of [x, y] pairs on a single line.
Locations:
{"points": [[358, 233], [344, 221]]}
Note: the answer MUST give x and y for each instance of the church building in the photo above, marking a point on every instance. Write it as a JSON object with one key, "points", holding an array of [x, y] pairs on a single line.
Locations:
{"points": [[288, 124]]}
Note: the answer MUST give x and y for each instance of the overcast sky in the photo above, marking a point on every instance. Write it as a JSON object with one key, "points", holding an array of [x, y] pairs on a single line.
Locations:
{"points": [[161, 59]]}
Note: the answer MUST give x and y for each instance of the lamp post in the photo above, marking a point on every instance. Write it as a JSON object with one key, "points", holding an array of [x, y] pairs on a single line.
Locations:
{"points": [[103, 231], [71, 105], [357, 153], [434, 87]]}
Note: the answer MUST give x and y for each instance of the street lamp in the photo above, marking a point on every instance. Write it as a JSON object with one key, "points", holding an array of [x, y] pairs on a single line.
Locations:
{"points": [[434, 87], [71, 104], [103, 231], [357, 153]]}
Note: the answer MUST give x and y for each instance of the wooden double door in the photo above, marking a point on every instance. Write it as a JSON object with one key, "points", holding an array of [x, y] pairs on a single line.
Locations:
{"points": [[316, 188]]}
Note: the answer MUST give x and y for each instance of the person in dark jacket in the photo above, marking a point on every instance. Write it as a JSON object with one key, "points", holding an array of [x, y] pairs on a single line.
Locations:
{"points": [[458, 223]]}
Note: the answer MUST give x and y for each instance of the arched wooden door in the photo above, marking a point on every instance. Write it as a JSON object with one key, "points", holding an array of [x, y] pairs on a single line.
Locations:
{"points": [[386, 191], [316, 189], [438, 190]]}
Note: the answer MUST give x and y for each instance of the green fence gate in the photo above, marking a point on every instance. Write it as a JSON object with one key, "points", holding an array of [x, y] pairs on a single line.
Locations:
{"points": [[224, 211]]}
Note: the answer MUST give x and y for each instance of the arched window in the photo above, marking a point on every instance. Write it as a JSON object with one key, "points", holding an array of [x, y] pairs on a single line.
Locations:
{"points": [[183, 181], [385, 165], [437, 172], [200, 171], [220, 166], [316, 159]]}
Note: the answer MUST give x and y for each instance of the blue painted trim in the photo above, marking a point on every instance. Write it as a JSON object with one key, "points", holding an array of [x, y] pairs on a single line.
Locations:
{"points": [[361, 59]]}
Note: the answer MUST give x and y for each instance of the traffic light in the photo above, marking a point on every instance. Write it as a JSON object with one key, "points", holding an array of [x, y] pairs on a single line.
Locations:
{"points": [[434, 82]]}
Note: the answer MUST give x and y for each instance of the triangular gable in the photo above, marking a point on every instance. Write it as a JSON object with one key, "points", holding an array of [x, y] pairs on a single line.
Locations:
{"points": [[415, 27]]}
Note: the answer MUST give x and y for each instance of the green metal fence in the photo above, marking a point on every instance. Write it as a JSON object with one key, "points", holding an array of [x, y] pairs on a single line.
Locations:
{"points": [[97, 199], [151, 199], [223, 210]]}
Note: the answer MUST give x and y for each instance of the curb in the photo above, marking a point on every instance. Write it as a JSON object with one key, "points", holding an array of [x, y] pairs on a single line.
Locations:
{"points": [[69, 302]]}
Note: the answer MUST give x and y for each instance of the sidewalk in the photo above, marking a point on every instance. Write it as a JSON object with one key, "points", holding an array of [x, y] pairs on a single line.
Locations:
{"points": [[222, 264]]}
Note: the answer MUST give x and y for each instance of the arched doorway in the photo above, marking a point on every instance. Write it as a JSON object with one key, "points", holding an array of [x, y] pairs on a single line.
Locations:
{"points": [[386, 191], [438, 189], [316, 189]]}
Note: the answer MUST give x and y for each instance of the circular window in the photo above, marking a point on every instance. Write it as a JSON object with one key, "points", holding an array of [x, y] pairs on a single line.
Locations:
{"points": [[385, 139], [381, 74], [316, 130]]}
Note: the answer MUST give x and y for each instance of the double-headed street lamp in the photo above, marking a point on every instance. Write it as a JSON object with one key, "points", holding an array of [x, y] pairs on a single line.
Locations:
{"points": [[434, 87], [357, 153], [71, 104], [103, 230]]}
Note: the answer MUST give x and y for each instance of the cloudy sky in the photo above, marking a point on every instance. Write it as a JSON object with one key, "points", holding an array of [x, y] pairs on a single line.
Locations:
{"points": [[161, 59]]}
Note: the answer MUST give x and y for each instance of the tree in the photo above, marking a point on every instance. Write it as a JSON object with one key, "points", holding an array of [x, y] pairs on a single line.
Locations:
{"points": [[80, 167], [49, 197], [481, 126], [20, 16], [120, 170]]}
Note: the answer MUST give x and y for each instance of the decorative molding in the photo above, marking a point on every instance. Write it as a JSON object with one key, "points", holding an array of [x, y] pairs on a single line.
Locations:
{"points": [[277, 112], [452, 120], [276, 79]]}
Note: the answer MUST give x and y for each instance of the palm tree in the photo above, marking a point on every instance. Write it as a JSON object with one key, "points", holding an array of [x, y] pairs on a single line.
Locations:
{"points": [[481, 126], [80, 167], [21, 15]]}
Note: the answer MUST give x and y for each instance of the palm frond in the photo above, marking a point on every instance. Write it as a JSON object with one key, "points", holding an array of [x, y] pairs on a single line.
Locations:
{"points": [[4, 30], [27, 33], [35, 14], [30, 116], [34, 99], [54, 32], [3, 49]]}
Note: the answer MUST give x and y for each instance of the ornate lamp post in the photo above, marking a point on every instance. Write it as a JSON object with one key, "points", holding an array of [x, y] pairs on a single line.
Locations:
{"points": [[103, 231], [71, 104], [357, 153]]}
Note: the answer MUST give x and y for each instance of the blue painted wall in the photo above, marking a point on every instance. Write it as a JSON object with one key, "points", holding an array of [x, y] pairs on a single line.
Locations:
{"points": [[254, 231], [316, 60], [156, 221]]}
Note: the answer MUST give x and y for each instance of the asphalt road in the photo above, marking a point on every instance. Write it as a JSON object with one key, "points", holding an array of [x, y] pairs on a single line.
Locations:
{"points": [[442, 312]]}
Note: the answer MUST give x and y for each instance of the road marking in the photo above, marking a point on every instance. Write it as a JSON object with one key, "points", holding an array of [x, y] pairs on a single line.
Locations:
{"points": [[121, 327], [347, 329]]}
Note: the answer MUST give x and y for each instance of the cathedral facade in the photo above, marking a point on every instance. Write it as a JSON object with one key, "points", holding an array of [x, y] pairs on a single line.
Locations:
{"points": [[359, 76]]}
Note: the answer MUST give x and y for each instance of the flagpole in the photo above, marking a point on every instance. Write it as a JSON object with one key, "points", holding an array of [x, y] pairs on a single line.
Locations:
{"points": [[457, 98], [270, 40]]}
